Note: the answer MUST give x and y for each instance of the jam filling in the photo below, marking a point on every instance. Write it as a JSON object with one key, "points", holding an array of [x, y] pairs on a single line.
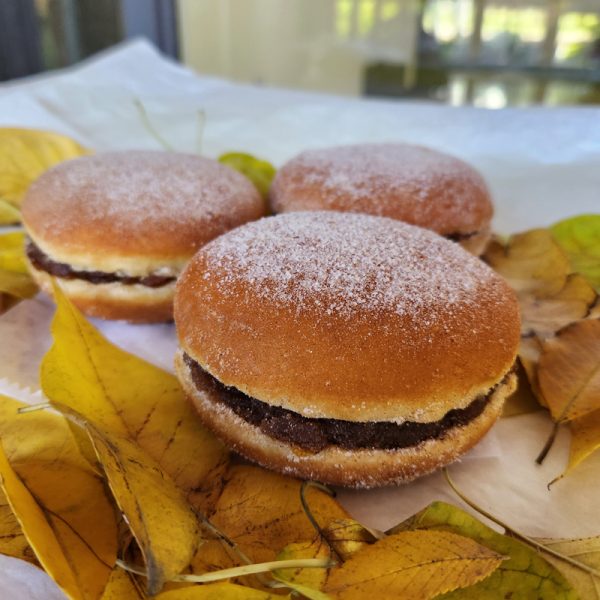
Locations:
{"points": [[314, 435], [43, 262]]}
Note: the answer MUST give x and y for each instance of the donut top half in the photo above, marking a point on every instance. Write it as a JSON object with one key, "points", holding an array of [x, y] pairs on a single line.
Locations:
{"points": [[347, 316], [413, 184], [135, 211]]}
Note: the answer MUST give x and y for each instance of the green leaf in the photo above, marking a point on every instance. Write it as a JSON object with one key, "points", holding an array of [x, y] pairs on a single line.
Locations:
{"points": [[258, 171], [579, 237], [525, 575], [585, 550]]}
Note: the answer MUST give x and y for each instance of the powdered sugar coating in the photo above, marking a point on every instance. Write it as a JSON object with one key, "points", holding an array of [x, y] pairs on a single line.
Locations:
{"points": [[410, 183], [138, 202], [347, 316], [348, 265]]}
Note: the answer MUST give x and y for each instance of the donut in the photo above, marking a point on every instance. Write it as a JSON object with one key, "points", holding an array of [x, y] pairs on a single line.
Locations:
{"points": [[346, 348], [413, 184], [116, 229]]}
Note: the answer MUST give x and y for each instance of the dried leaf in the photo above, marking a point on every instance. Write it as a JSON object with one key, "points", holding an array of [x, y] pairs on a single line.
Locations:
{"points": [[262, 512], [347, 536], [258, 171], [311, 578], [532, 263], [526, 574], [530, 349], [579, 238], [12, 256], [547, 315], [58, 499], [9, 215], [12, 540], [69, 558], [585, 550], [25, 154], [522, 400], [122, 394], [569, 371], [121, 586], [412, 565], [218, 591], [157, 512], [550, 295], [14, 277], [585, 440]]}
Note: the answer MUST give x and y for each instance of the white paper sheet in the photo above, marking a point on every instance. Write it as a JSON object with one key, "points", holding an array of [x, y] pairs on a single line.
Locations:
{"points": [[541, 164]]}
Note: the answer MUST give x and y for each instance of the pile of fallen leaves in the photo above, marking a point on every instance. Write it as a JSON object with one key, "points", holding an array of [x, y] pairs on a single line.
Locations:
{"points": [[556, 275], [120, 493], [124, 494]]}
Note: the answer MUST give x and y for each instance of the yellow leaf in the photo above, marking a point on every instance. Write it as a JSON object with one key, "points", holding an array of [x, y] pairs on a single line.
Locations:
{"points": [[412, 565], [258, 171], [12, 540], [571, 303], [524, 575], [9, 215], [122, 394], [218, 591], [530, 350], [262, 512], [550, 295], [58, 499], [347, 536], [532, 263], [312, 578], [12, 255], [122, 586], [585, 550], [523, 399], [25, 154], [585, 439], [569, 371], [18, 285], [157, 512]]}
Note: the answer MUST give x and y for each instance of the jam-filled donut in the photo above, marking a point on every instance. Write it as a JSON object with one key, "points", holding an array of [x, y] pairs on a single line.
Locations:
{"points": [[116, 229], [346, 348], [413, 184]]}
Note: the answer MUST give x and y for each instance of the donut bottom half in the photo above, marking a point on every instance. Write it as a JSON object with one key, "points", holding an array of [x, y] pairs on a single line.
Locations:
{"points": [[135, 303], [362, 468]]}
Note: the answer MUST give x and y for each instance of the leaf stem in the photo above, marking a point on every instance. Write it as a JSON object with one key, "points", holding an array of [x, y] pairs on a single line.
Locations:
{"points": [[200, 132], [33, 407], [308, 484], [520, 536], [303, 563], [548, 445], [149, 127]]}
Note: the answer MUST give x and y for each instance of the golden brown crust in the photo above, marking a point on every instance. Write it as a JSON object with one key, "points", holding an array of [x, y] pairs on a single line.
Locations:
{"points": [[296, 342], [336, 466], [134, 303], [413, 184], [137, 206]]}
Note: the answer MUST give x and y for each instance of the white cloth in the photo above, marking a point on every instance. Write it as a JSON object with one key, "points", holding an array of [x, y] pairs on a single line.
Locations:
{"points": [[541, 164]]}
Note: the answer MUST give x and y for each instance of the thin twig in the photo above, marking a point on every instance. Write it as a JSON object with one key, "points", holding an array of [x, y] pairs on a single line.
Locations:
{"points": [[303, 563], [549, 443], [33, 407], [149, 127], [520, 536], [200, 131]]}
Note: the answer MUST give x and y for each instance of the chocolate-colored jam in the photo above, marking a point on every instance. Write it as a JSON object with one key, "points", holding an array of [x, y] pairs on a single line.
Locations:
{"points": [[44, 263], [316, 434], [460, 237]]}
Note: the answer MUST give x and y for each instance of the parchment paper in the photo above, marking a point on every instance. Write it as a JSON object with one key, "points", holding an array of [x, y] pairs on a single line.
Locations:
{"points": [[541, 164]]}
